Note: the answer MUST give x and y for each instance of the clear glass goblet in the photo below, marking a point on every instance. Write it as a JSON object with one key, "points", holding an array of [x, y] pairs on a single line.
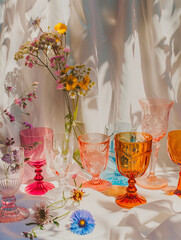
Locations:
{"points": [[59, 157], [94, 154], [133, 150], [155, 115], [33, 141], [11, 176], [174, 152], [111, 173]]}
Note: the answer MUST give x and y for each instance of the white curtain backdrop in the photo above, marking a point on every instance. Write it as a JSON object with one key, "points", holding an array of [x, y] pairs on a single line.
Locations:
{"points": [[132, 46]]}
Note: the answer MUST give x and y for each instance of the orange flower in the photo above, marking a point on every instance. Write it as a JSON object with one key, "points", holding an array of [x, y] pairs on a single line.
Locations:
{"points": [[77, 195], [61, 28], [71, 83], [84, 84], [65, 70]]}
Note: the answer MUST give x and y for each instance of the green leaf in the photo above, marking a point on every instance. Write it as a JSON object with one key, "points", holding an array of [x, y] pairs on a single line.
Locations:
{"points": [[56, 223], [26, 159], [32, 223], [41, 227]]}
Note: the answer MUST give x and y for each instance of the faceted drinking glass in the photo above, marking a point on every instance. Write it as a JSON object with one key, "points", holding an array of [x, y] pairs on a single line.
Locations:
{"points": [[133, 150], [11, 176], [59, 157], [155, 115], [111, 173], [174, 152], [94, 154], [33, 141]]}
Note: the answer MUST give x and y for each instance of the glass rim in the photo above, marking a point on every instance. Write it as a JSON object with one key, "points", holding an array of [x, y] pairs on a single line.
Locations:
{"points": [[79, 138], [170, 133], [117, 122], [150, 138], [167, 101], [32, 136]]}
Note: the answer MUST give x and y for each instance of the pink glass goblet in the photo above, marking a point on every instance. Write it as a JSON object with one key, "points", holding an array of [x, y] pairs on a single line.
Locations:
{"points": [[155, 115], [33, 141], [94, 154], [11, 175]]}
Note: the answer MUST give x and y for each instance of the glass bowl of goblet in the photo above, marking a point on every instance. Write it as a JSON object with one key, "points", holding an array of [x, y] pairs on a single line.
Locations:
{"points": [[94, 154], [174, 152], [33, 141], [11, 176], [133, 150]]}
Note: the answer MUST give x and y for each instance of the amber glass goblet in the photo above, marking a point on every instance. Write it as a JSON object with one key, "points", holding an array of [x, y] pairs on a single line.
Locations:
{"points": [[174, 152], [133, 150], [94, 153]]}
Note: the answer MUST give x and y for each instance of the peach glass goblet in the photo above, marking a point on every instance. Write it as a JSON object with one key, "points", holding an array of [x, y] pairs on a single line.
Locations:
{"points": [[155, 115], [94, 153], [133, 150], [174, 152], [34, 141]]}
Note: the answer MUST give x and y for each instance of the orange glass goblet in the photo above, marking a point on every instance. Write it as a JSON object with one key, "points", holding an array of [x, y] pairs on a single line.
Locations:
{"points": [[94, 153], [174, 152], [133, 150]]}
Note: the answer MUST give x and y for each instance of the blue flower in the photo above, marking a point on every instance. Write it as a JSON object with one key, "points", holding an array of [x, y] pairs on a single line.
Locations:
{"points": [[82, 222]]}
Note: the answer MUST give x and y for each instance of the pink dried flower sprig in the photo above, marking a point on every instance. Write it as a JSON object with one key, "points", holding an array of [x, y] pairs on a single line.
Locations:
{"points": [[9, 115]]}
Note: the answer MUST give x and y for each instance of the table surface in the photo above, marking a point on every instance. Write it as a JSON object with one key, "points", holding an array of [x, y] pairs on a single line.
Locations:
{"points": [[158, 219]]}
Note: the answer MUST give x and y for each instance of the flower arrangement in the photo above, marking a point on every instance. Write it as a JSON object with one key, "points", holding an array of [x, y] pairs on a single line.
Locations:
{"points": [[49, 50], [46, 214]]}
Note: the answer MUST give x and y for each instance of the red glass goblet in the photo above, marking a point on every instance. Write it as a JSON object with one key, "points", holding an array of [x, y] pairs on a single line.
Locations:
{"points": [[33, 141]]}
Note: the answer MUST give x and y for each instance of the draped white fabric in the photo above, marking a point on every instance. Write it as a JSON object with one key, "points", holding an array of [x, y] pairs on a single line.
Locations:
{"points": [[133, 48]]}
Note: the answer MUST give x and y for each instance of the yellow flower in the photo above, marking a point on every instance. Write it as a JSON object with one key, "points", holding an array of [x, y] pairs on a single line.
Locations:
{"points": [[65, 70], [77, 195], [71, 83], [84, 84], [61, 28]]}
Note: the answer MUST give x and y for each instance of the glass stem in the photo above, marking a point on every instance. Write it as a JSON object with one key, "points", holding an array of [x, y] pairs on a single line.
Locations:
{"points": [[154, 154], [179, 182], [8, 204], [95, 178], [38, 176], [131, 189]]}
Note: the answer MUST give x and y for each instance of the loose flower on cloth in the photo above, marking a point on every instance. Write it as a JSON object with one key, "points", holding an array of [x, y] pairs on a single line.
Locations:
{"points": [[44, 214], [82, 222]]}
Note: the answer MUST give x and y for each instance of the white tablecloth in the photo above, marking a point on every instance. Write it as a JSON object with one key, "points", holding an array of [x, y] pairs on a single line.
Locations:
{"points": [[157, 220]]}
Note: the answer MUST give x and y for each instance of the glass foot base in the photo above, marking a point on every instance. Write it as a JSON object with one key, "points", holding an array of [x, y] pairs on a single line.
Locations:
{"points": [[99, 185], [151, 182], [39, 188], [174, 192], [130, 200], [114, 177], [13, 216]]}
